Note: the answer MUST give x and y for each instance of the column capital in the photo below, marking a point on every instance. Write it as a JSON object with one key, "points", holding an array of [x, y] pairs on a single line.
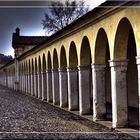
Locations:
{"points": [[35, 73], [86, 67], [98, 67], [138, 60], [43, 72], [72, 69], [119, 65], [38, 73], [62, 69], [54, 70], [48, 70]]}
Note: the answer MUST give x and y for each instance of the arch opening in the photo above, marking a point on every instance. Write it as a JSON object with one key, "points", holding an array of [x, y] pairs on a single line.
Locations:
{"points": [[36, 79], [39, 78], [63, 81], [33, 77], [55, 59], [49, 61], [73, 78], [85, 54], [44, 92], [102, 57], [85, 65], [49, 79], [73, 59], [63, 60], [29, 78], [125, 49]]}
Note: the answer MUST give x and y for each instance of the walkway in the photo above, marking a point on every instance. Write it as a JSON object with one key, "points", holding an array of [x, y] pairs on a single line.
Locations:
{"points": [[22, 113]]}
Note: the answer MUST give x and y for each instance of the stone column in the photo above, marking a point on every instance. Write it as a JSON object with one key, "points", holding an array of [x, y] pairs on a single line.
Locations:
{"points": [[119, 93], [35, 85], [26, 83], [63, 87], [55, 87], [44, 86], [99, 103], [39, 85], [20, 82], [73, 88], [138, 67], [84, 89], [49, 86], [23, 83], [29, 83], [32, 84]]}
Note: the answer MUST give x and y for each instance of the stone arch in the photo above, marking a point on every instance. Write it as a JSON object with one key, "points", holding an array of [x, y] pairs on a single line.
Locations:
{"points": [[55, 78], [125, 50], [121, 39], [26, 67], [85, 78], [49, 62], [32, 63], [29, 76], [73, 91], [33, 76], [63, 88], [36, 65], [39, 64], [44, 78], [63, 58], [85, 53], [44, 65], [55, 59], [29, 64], [36, 78], [73, 58], [101, 47], [101, 72], [49, 78], [39, 78]]}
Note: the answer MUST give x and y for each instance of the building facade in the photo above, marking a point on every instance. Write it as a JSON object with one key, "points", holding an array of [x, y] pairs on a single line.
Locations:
{"points": [[22, 44], [92, 65]]}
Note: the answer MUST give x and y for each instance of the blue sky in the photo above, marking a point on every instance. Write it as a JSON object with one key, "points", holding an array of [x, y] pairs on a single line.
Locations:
{"points": [[27, 19]]}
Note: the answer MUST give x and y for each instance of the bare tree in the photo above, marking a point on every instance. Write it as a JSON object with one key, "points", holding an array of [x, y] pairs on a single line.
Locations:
{"points": [[62, 14]]}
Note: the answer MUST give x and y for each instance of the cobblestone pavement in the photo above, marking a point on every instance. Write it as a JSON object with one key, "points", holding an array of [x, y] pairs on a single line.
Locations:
{"points": [[22, 116]]}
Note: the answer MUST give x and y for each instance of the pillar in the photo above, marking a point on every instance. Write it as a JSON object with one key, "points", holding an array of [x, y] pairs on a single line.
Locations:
{"points": [[73, 88], [49, 86], [55, 87], [35, 85], [44, 85], [29, 84], [26, 83], [63, 87], [138, 67], [119, 93], [32, 84], [23, 83], [39, 85], [16, 75], [99, 103], [84, 89]]}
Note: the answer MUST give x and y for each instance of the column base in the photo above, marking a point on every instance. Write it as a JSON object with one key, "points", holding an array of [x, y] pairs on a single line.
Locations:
{"points": [[100, 118]]}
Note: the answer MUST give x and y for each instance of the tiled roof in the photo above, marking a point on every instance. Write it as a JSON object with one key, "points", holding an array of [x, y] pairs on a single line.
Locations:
{"points": [[27, 40]]}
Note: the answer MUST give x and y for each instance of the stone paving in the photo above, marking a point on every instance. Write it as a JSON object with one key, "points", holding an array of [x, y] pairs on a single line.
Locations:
{"points": [[22, 116]]}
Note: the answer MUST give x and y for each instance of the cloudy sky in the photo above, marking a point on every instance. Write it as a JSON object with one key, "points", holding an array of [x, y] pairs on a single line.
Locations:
{"points": [[26, 17]]}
